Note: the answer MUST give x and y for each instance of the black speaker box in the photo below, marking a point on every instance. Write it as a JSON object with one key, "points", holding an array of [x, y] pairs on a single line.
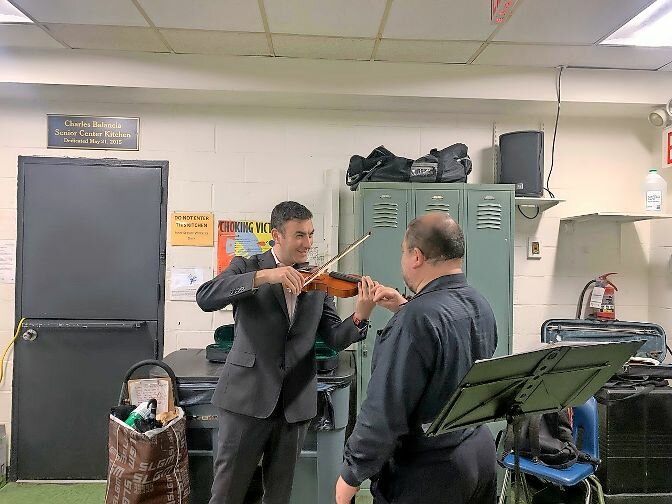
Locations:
{"points": [[636, 442], [521, 155]]}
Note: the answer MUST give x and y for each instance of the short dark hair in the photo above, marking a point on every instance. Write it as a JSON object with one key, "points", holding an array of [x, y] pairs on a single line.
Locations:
{"points": [[286, 211], [439, 239]]}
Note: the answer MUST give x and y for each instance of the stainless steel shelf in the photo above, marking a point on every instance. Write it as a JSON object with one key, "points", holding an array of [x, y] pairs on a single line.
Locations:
{"points": [[616, 217], [542, 204]]}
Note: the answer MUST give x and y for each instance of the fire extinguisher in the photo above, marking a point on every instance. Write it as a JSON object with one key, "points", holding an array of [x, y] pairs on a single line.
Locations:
{"points": [[601, 305]]}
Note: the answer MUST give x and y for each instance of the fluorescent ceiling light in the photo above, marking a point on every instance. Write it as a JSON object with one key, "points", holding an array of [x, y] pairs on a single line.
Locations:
{"points": [[10, 14], [651, 28]]}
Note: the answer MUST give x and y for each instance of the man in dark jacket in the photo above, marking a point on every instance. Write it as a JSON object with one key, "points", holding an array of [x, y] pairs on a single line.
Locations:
{"points": [[267, 392], [418, 361]]}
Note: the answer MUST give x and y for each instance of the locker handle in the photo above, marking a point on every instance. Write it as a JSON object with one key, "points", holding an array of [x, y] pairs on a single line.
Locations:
{"points": [[385, 196], [85, 325], [437, 197]]}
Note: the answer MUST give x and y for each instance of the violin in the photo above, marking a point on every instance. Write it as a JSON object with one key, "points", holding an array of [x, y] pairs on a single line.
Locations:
{"points": [[342, 285]]}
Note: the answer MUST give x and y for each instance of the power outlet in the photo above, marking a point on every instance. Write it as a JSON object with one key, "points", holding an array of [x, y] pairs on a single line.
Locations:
{"points": [[533, 248]]}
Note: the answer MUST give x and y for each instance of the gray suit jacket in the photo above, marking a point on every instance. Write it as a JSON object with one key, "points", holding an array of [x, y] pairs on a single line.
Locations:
{"points": [[269, 354]]}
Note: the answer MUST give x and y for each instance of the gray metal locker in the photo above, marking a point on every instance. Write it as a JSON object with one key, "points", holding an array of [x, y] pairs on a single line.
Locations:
{"points": [[384, 211], [489, 242], [438, 200], [485, 214]]}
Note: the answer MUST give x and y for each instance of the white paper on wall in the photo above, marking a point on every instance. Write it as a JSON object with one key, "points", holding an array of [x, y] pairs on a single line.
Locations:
{"points": [[184, 282], [7, 261]]}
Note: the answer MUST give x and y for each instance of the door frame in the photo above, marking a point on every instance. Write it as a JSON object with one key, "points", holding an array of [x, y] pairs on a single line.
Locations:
{"points": [[18, 308]]}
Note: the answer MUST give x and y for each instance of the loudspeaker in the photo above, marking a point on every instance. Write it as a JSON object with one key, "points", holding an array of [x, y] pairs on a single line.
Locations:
{"points": [[521, 155], [635, 441]]}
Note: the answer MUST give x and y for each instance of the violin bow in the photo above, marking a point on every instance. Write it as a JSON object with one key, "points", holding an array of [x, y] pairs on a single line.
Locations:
{"points": [[331, 261]]}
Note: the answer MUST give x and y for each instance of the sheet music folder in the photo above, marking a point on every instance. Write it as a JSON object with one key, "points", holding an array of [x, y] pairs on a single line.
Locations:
{"points": [[538, 381]]}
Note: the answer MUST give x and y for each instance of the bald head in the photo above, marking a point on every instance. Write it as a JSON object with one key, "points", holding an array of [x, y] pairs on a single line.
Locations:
{"points": [[437, 235]]}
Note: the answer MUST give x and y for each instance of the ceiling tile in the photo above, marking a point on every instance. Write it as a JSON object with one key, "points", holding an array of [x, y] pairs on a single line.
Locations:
{"points": [[217, 42], [426, 51], [569, 21], [439, 20], [25, 35], [122, 38], [98, 12], [302, 46], [342, 18], [634, 58], [227, 15]]}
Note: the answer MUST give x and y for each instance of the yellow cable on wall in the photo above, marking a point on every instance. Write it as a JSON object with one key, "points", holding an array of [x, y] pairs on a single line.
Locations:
{"points": [[2, 360]]}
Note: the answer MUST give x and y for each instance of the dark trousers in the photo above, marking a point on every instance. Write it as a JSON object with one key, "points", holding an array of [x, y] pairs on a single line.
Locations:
{"points": [[242, 443], [465, 475]]}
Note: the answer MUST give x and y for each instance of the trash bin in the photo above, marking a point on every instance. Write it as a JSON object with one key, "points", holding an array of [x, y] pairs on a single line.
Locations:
{"points": [[322, 455]]}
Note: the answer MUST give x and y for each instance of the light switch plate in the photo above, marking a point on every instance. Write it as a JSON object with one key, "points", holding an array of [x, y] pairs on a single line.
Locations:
{"points": [[533, 248]]}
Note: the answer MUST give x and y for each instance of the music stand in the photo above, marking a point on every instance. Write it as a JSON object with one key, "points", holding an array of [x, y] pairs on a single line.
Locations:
{"points": [[539, 381]]}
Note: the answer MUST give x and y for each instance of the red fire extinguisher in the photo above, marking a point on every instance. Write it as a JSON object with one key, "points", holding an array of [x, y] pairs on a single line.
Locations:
{"points": [[602, 305]]}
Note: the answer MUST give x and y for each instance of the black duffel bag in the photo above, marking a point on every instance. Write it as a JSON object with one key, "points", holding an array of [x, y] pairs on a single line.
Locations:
{"points": [[451, 164], [379, 166]]}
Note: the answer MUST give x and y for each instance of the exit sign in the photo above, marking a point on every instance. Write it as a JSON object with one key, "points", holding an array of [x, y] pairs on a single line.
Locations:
{"points": [[501, 10]]}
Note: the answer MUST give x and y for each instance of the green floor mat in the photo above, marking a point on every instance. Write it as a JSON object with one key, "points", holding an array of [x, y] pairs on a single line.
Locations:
{"points": [[53, 493]]}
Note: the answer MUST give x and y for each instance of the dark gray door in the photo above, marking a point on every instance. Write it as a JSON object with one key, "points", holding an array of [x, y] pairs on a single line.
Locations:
{"points": [[72, 374], [90, 282], [91, 239]]}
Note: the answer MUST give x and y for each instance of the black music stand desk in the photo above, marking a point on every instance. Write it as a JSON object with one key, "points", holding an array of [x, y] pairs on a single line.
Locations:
{"points": [[539, 381]]}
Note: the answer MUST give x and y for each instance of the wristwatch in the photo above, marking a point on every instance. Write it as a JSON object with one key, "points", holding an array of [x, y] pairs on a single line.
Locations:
{"points": [[360, 324]]}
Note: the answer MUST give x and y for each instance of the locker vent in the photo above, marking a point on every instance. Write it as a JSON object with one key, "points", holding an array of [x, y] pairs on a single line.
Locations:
{"points": [[489, 216], [438, 207], [385, 215]]}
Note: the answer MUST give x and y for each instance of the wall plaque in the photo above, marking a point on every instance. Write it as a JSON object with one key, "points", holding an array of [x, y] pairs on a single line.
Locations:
{"points": [[92, 132]]}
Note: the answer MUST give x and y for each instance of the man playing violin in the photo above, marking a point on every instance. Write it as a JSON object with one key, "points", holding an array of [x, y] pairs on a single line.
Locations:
{"points": [[267, 392]]}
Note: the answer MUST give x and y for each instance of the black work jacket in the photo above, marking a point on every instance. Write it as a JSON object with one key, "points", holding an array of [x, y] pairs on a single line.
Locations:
{"points": [[418, 360]]}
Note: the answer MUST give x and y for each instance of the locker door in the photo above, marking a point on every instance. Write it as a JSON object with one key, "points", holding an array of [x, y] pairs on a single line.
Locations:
{"points": [[438, 200], [488, 241], [385, 214]]}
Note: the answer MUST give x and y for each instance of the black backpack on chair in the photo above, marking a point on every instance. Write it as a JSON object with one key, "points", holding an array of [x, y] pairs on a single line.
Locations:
{"points": [[547, 439]]}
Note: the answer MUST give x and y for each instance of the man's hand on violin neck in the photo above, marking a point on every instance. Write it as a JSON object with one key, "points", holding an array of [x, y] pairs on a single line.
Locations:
{"points": [[389, 298], [365, 302], [290, 279]]}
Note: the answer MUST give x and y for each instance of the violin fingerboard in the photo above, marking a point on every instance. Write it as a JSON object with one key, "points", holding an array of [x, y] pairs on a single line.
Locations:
{"points": [[344, 276]]}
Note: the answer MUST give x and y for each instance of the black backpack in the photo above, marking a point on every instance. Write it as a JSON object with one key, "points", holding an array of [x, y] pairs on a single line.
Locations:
{"points": [[547, 439], [451, 164]]}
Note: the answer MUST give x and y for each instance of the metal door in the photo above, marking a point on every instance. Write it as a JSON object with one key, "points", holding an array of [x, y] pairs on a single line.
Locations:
{"points": [[90, 281], [438, 200], [385, 214], [90, 236], [66, 380], [488, 237]]}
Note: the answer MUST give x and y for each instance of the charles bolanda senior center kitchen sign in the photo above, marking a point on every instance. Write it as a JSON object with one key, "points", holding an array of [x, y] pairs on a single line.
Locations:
{"points": [[90, 132]]}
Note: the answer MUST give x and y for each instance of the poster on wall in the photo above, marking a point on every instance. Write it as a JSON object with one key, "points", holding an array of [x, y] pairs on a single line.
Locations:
{"points": [[667, 147], [192, 229], [241, 238]]}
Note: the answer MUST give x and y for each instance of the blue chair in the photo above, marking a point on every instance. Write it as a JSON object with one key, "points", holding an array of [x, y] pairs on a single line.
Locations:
{"points": [[586, 423]]}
